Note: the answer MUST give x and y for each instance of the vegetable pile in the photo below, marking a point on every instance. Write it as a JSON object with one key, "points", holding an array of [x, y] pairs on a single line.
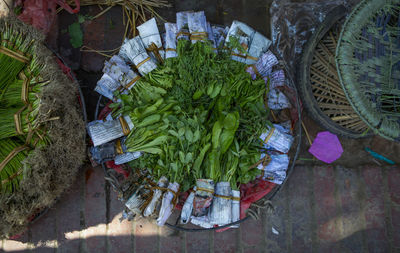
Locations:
{"points": [[42, 131], [192, 116], [197, 116]]}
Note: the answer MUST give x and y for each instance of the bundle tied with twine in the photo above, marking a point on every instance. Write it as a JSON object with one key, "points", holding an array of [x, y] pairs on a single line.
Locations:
{"points": [[41, 131]]}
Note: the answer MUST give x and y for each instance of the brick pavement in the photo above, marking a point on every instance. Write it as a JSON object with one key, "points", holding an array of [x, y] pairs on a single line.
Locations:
{"points": [[321, 209]]}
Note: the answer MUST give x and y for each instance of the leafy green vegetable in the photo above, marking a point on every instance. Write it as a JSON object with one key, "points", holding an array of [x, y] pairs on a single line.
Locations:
{"points": [[76, 35], [196, 116]]}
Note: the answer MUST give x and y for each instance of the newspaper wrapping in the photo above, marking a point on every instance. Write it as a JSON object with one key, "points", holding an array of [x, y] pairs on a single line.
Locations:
{"points": [[162, 183], [126, 157], [182, 25], [203, 197], [263, 67], [202, 221], [106, 86], [118, 70], [243, 33], [123, 156], [103, 153], [221, 207], [150, 35], [104, 131], [134, 51], [188, 207], [166, 204], [275, 170], [259, 45], [277, 138], [197, 26], [219, 34], [277, 100], [277, 79], [170, 40], [235, 207], [136, 201], [116, 74], [211, 35]]}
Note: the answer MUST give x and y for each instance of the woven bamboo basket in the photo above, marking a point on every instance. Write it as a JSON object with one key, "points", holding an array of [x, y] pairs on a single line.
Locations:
{"points": [[319, 83], [368, 64]]}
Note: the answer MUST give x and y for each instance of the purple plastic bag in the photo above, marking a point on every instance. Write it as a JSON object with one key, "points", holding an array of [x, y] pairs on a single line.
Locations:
{"points": [[326, 147]]}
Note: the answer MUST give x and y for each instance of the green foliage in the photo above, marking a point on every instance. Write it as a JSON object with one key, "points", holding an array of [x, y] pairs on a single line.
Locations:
{"points": [[13, 103], [75, 31], [197, 116], [76, 35], [11, 173]]}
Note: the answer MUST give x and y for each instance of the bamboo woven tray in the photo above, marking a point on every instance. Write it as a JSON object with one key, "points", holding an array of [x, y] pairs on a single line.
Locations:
{"points": [[319, 83], [368, 63]]}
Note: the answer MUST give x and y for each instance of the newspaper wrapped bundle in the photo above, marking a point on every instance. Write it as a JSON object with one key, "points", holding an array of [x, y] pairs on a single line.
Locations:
{"points": [[117, 74], [182, 25], [277, 79], [150, 36], [187, 207], [103, 153], [275, 170], [277, 138], [243, 34], [171, 32], [277, 100], [138, 199], [259, 45], [211, 35], [197, 26], [253, 43], [202, 221], [102, 132], [219, 35], [123, 156], [235, 207], [263, 67], [168, 202], [221, 208], [203, 197], [157, 192], [135, 52]]}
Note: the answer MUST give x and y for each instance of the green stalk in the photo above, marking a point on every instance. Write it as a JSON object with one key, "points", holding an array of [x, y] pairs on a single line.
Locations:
{"points": [[11, 174], [11, 97], [13, 39], [7, 123]]}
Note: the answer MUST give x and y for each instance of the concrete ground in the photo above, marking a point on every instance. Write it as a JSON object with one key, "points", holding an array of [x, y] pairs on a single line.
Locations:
{"points": [[351, 206]]}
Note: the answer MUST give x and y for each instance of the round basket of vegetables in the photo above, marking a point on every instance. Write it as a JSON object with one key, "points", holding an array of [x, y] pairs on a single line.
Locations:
{"points": [[42, 142], [202, 112]]}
